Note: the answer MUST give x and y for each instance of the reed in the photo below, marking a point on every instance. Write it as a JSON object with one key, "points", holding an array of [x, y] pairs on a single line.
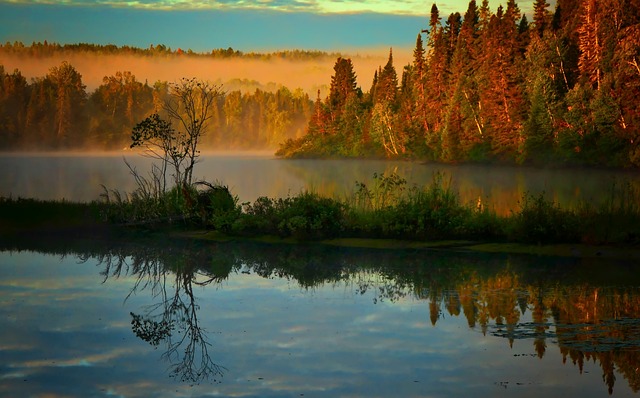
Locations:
{"points": [[383, 208]]}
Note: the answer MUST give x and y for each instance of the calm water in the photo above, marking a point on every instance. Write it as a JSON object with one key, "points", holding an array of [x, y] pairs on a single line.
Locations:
{"points": [[142, 319], [80, 177]]}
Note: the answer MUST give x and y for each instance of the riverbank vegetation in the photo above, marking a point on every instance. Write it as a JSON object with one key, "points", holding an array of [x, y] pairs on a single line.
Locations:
{"points": [[387, 208], [383, 208], [490, 86]]}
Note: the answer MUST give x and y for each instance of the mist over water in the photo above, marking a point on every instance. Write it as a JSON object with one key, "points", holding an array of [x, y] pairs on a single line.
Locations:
{"points": [[243, 74], [249, 175]]}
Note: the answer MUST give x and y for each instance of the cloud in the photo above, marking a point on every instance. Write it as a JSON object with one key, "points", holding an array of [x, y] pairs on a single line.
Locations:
{"points": [[397, 7]]}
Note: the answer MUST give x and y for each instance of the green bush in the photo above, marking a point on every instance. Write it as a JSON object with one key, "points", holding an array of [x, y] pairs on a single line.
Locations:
{"points": [[217, 207], [306, 216]]}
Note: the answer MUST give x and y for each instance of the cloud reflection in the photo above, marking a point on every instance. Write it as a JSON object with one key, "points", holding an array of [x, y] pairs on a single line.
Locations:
{"points": [[311, 324]]}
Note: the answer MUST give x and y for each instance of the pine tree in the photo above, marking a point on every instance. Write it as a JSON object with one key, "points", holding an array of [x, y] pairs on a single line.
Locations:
{"points": [[627, 79], [541, 16], [484, 15], [463, 127], [418, 82], [501, 106], [343, 84], [387, 84]]}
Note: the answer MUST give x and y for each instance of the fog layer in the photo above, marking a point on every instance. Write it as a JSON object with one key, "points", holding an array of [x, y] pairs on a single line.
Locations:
{"points": [[235, 73]]}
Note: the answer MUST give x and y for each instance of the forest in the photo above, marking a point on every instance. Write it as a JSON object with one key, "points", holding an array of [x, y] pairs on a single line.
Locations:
{"points": [[46, 49], [55, 112], [488, 86]]}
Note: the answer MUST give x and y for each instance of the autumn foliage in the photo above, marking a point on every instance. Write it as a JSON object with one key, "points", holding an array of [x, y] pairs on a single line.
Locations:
{"points": [[492, 86]]}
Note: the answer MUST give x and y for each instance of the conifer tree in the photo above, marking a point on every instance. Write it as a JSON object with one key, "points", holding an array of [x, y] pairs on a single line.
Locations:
{"points": [[484, 15], [343, 84], [438, 61], [463, 126], [541, 16], [418, 91], [387, 84], [384, 124]]}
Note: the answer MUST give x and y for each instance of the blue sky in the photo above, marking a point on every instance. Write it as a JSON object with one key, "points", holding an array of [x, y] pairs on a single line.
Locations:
{"points": [[202, 25]]}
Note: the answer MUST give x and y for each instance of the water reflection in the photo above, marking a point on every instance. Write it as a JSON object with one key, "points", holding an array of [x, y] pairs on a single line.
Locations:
{"points": [[173, 317], [79, 177], [582, 310]]}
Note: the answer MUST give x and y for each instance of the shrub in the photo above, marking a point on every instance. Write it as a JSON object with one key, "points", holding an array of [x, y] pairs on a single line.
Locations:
{"points": [[306, 216], [216, 207]]}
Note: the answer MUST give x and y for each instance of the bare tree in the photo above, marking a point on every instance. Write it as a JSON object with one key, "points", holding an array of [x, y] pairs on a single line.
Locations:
{"points": [[175, 140]]}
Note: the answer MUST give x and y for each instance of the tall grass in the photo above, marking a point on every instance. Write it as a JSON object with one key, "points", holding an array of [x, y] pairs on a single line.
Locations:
{"points": [[391, 209], [153, 203], [385, 207]]}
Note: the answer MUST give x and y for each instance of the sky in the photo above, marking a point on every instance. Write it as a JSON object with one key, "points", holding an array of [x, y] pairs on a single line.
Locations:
{"points": [[245, 25]]}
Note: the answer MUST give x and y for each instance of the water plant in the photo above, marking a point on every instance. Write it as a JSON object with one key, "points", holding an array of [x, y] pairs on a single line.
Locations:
{"points": [[383, 208]]}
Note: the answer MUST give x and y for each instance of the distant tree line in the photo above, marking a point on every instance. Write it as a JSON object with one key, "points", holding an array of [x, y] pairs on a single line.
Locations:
{"points": [[491, 86], [56, 112], [46, 49]]}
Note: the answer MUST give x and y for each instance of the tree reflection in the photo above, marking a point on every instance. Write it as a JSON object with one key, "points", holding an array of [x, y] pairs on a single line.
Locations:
{"points": [[584, 310], [170, 275]]}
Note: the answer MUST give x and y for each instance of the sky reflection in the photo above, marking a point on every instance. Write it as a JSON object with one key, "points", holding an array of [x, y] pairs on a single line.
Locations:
{"points": [[66, 333]]}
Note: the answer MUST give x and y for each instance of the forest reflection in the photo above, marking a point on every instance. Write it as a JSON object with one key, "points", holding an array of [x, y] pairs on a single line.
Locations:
{"points": [[588, 309]]}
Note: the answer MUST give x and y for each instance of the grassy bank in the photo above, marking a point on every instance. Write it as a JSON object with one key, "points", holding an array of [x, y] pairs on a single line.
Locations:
{"points": [[383, 208]]}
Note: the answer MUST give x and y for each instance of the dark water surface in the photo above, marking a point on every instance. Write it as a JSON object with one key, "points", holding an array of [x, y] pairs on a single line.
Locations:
{"points": [[80, 177], [159, 319]]}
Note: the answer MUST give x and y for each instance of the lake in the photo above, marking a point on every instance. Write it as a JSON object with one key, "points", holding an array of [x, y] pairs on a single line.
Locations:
{"points": [[80, 177], [175, 319], [141, 317]]}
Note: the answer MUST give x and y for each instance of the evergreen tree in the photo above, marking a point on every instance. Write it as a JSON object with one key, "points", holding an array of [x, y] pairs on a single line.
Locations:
{"points": [[463, 126], [343, 84], [387, 84], [438, 62], [484, 16], [541, 16], [384, 125], [419, 77]]}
